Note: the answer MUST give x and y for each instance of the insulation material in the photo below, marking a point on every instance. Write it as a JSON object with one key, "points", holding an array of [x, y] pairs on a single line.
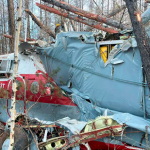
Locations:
{"points": [[103, 53], [72, 124]]}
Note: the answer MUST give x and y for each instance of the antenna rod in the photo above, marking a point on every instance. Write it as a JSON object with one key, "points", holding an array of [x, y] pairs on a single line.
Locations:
{"points": [[14, 84]]}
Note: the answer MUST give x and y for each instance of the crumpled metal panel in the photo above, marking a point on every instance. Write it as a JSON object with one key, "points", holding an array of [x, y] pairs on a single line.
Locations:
{"points": [[116, 61], [135, 129], [132, 121], [116, 87], [88, 110]]}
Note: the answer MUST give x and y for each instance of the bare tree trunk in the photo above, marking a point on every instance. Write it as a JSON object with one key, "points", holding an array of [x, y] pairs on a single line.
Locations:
{"points": [[108, 7], [32, 21], [46, 18], [102, 6], [27, 17], [114, 12], [46, 23], [145, 6], [141, 38], [140, 4], [11, 21], [114, 1], [86, 14], [73, 25], [14, 83], [4, 29], [41, 19], [73, 17]]}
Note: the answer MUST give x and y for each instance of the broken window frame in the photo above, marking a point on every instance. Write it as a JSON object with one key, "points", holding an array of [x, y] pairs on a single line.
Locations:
{"points": [[109, 45]]}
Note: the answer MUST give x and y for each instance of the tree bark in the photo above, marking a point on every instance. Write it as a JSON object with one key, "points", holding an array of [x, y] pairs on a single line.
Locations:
{"points": [[11, 23], [108, 7], [73, 17], [141, 38], [2, 31], [73, 25], [116, 11], [4, 51], [145, 6], [14, 75], [41, 18], [86, 14], [21, 139], [43, 27], [28, 19]]}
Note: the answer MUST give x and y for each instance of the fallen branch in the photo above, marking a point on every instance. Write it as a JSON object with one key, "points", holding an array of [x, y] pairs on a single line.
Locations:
{"points": [[86, 14], [43, 27], [20, 39], [73, 17]]}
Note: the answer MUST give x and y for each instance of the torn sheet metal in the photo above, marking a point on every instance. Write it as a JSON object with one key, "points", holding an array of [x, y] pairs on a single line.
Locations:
{"points": [[73, 125], [125, 45], [134, 130], [98, 128], [116, 61], [112, 54], [88, 110], [132, 121], [5, 145]]}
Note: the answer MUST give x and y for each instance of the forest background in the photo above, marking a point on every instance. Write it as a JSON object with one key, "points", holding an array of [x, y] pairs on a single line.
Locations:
{"points": [[8, 14]]}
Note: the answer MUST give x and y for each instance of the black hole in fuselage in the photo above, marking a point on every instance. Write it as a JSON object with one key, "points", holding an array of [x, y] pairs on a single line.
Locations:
{"points": [[53, 144], [88, 100], [62, 141], [82, 40]]}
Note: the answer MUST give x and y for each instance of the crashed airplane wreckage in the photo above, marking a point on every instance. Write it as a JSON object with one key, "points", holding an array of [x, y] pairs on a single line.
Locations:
{"points": [[103, 78], [67, 133], [101, 81], [106, 92]]}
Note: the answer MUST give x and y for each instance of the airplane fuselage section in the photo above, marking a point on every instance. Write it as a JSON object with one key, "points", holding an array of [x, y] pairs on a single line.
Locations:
{"points": [[34, 89]]}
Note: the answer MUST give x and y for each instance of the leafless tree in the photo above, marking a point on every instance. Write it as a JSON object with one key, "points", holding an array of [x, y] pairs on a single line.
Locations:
{"points": [[11, 21]]}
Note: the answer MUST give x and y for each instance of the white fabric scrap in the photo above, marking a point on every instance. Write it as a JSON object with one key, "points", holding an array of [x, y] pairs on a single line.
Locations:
{"points": [[72, 124], [45, 135]]}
